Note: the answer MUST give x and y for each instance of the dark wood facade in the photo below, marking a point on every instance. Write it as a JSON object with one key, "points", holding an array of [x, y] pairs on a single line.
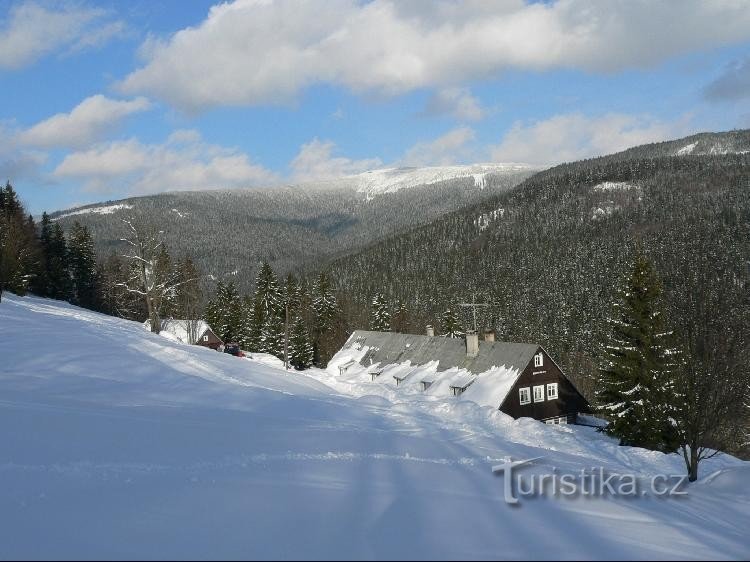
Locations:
{"points": [[568, 403], [209, 339]]}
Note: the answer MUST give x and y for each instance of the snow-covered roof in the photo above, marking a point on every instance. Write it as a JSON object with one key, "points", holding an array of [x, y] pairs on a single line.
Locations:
{"points": [[391, 347], [177, 329], [442, 362]]}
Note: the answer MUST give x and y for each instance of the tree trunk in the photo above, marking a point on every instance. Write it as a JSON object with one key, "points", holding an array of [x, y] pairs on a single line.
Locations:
{"points": [[153, 317], [693, 474]]}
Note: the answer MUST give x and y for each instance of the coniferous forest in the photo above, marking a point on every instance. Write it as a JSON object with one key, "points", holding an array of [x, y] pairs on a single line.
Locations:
{"points": [[559, 260]]}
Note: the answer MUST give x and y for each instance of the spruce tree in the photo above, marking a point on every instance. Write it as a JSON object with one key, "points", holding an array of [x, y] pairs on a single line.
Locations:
{"points": [[272, 336], [58, 266], [188, 297], [400, 321], [268, 295], [42, 285], [213, 313], [635, 389], [381, 314], [450, 324], [20, 253], [82, 260], [300, 347], [325, 314], [224, 312], [324, 305]]}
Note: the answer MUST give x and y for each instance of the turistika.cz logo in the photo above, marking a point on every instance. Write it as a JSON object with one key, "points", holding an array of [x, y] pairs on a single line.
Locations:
{"points": [[593, 482]]}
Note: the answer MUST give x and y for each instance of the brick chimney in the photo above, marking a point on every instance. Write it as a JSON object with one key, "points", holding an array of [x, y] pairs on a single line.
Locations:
{"points": [[472, 343]]}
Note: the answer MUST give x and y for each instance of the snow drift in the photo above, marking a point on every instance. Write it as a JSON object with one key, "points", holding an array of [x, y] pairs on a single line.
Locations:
{"points": [[118, 443]]}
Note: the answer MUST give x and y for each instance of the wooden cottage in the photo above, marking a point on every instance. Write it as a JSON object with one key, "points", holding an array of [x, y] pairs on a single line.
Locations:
{"points": [[186, 330], [520, 379]]}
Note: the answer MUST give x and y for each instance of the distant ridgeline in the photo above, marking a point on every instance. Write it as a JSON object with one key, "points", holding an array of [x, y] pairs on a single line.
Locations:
{"points": [[550, 253], [294, 228]]}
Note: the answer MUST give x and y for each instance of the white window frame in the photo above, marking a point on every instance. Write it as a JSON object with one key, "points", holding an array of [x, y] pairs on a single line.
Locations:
{"points": [[538, 393], [525, 391], [550, 395], [205, 338], [539, 359]]}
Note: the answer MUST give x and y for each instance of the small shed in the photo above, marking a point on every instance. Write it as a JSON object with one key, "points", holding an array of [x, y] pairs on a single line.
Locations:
{"points": [[196, 332]]}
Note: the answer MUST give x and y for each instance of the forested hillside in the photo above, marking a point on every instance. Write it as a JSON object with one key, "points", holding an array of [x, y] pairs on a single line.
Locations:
{"points": [[550, 253], [230, 233]]}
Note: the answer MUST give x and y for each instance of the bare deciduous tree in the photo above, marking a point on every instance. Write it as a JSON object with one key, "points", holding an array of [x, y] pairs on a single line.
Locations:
{"points": [[712, 386], [150, 275]]}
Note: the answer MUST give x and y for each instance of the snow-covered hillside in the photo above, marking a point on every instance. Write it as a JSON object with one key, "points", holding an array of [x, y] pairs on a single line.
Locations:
{"points": [[390, 180], [118, 443]]}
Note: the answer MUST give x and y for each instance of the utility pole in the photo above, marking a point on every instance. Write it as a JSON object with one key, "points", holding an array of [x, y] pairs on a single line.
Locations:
{"points": [[473, 305]]}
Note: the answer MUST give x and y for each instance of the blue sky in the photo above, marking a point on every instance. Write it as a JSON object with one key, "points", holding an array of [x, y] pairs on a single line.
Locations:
{"points": [[104, 100]]}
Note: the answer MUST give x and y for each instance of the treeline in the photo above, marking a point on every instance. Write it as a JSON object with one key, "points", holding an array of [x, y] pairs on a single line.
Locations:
{"points": [[230, 233], [41, 259], [547, 257], [294, 319]]}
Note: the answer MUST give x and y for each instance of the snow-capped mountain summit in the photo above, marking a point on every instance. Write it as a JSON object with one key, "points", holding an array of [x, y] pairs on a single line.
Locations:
{"points": [[390, 180]]}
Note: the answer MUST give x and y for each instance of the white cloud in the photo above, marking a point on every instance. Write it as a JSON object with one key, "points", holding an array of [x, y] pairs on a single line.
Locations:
{"points": [[87, 122], [315, 162], [450, 148], [183, 162], [253, 51], [31, 31], [457, 102], [569, 137]]}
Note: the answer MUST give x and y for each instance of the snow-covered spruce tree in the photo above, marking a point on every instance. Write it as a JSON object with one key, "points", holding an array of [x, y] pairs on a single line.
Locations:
{"points": [[324, 304], [213, 313], [300, 347], [249, 337], [450, 324], [272, 336], [224, 312], [381, 315], [325, 316], [635, 389], [268, 295]]}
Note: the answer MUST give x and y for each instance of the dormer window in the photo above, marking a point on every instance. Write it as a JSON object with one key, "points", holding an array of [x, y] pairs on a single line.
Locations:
{"points": [[539, 359]]}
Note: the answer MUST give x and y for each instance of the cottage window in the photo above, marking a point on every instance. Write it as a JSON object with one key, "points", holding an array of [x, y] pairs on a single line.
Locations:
{"points": [[205, 338], [524, 395], [552, 391], [538, 360], [539, 393]]}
